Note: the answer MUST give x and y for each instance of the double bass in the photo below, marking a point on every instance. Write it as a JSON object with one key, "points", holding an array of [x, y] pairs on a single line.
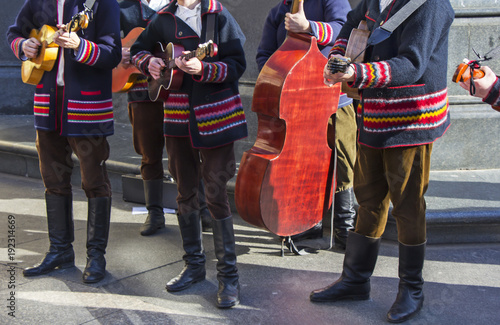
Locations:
{"points": [[284, 181]]}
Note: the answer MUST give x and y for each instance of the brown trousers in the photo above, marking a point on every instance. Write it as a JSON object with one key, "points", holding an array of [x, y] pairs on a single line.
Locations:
{"points": [[147, 134], [215, 166], [397, 175], [56, 165]]}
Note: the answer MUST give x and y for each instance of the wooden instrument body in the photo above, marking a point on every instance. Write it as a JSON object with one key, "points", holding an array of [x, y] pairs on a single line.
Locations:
{"points": [[32, 69], [171, 77], [358, 39], [124, 76], [284, 181]]}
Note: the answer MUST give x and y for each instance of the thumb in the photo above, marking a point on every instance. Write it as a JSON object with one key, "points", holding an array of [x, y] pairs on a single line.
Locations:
{"points": [[301, 6]]}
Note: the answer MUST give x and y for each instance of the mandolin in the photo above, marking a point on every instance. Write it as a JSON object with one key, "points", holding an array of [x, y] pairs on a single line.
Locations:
{"points": [[32, 70], [358, 40], [125, 75], [171, 77], [465, 70]]}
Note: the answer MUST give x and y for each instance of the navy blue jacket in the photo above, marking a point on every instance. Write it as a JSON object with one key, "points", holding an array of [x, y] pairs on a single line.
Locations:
{"points": [[207, 108], [87, 107], [404, 95], [326, 18]]}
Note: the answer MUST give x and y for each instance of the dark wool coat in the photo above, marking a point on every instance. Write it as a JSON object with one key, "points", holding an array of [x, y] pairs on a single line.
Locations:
{"points": [[207, 108], [87, 107], [326, 18], [404, 85]]}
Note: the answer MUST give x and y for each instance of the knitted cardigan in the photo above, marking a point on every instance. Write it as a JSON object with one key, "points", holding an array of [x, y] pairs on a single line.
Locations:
{"points": [[207, 108], [403, 85], [326, 18], [87, 106]]}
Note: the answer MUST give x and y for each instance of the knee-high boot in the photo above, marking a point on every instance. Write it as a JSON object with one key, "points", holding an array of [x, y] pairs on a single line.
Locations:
{"points": [[228, 294], [359, 261], [99, 213], [410, 295], [343, 216], [61, 236], [153, 194], [194, 257]]}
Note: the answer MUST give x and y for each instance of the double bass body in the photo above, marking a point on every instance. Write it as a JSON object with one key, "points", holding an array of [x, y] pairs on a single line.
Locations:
{"points": [[284, 181]]}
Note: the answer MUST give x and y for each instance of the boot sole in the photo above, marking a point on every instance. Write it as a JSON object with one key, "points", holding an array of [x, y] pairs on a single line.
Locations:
{"points": [[357, 297], [59, 267], [229, 305], [184, 287], [152, 232]]}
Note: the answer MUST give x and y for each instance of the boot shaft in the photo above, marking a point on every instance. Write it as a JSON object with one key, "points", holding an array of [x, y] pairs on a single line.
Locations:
{"points": [[360, 257], [225, 247], [190, 229], [60, 221], [98, 221]]}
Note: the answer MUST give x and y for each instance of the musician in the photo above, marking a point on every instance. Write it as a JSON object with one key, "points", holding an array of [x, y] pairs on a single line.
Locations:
{"points": [[322, 19], [73, 114], [404, 109], [202, 121], [146, 118], [487, 87]]}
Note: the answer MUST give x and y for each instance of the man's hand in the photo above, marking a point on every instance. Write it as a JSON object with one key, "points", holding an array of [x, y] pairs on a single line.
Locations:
{"points": [[66, 39], [192, 66], [331, 79], [483, 85], [30, 48], [155, 67], [297, 23], [125, 56]]}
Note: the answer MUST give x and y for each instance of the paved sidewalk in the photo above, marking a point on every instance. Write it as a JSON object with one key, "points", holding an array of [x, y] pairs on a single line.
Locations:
{"points": [[462, 280]]}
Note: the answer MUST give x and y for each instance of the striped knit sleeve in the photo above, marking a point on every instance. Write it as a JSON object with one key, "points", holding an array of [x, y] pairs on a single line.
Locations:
{"points": [[493, 97], [17, 47], [339, 47], [141, 61], [371, 75], [88, 52], [213, 72], [322, 31]]}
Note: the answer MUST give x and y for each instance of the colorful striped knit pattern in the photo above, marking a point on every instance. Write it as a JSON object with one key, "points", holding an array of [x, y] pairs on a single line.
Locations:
{"points": [[177, 109], [372, 75], [339, 47], [214, 72], [141, 61], [88, 53], [323, 32], [16, 46], [220, 116], [412, 113], [90, 112], [214, 6], [41, 105]]}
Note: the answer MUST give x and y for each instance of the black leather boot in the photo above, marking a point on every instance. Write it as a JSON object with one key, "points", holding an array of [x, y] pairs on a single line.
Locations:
{"points": [[359, 261], [343, 216], [153, 194], [99, 213], [228, 294], [410, 295], [61, 236], [194, 257]]}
